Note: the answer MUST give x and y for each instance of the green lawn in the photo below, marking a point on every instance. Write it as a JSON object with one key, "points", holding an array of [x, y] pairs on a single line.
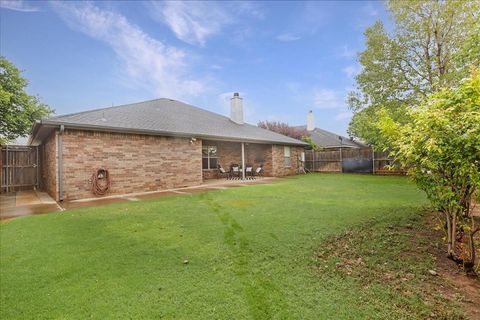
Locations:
{"points": [[251, 252]]}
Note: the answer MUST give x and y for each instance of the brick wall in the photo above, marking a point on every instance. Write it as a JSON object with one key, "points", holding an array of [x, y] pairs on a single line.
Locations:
{"points": [[259, 154], [140, 163], [278, 160], [136, 163], [49, 165]]}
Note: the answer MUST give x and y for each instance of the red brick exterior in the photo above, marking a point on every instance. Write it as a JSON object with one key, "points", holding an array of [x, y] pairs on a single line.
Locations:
{"points": [[141, 163], [49, 165], [259, 154], [136, 163], [278, 160]]}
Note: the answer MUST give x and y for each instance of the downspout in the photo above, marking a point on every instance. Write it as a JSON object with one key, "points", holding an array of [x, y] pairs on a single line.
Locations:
{"points": [[37, 162], [60, 163]]}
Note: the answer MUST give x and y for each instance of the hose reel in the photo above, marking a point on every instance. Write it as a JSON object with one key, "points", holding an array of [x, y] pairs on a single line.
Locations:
{"points": [[100, 182]]}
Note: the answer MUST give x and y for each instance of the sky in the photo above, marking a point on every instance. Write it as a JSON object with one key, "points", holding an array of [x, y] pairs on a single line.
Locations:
{"points": [[284, 58]]}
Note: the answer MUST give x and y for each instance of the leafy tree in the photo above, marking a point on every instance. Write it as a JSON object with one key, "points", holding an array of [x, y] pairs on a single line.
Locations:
{"points": [[441, 149], [469, 54], [283, 128], [18, 109], [287, 130], [312, 144], [432, 45]]}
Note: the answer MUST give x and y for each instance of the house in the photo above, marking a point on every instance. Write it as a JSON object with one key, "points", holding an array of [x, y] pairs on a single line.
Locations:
{"points": [[154, 145], [326, 139]]}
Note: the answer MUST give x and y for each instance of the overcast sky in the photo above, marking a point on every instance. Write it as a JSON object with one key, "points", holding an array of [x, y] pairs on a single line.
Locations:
{"points": [[284, 58]]}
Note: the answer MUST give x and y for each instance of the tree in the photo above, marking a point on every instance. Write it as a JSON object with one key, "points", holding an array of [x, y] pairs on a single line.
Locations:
{"points": [[441, 149], [310, 142], [285, 129], [18, 109], [426, 51]]}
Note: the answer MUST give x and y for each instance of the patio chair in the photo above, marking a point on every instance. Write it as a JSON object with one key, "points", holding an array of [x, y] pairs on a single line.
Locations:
{"points": [[222, 173], [259, 171], [249, 172], [235, 171]]}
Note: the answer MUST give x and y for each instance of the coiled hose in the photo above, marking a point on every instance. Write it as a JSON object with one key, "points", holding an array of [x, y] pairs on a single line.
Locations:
{"points": [[100, 182]]}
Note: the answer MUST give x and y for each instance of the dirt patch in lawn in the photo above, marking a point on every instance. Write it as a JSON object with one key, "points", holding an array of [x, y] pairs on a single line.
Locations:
{"points": [[467, 287], [407, 259]]}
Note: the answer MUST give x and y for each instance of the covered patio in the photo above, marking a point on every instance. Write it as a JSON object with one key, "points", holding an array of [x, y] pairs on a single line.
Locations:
{"points": [[252, 159]]}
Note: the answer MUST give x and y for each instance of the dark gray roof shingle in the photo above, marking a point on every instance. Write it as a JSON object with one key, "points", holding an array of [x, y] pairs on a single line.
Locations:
{"points": [[327, 139], [170, 117]]}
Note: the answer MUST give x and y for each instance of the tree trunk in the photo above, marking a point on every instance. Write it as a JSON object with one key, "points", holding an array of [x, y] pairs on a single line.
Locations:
{"points": [[454, 232], [449, 235]]}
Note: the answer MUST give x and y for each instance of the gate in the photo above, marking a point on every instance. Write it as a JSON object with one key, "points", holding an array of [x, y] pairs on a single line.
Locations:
{"points": [[357, 160], [19, 168]]}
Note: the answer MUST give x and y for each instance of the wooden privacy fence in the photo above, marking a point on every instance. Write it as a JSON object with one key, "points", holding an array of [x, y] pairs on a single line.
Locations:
{"points": [[19, 168], [359, 160]]}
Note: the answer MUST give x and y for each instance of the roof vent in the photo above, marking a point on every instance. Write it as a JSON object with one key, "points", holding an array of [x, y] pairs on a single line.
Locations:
{"points": [[236, 108]]}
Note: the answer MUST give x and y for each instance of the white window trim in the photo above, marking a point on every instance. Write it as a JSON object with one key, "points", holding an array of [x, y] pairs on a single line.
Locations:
{"points": [[209, 157], [287, 155]]}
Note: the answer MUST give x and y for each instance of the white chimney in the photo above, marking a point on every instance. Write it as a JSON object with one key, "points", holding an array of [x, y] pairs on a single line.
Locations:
{"points": [[236, 108], [310, 121]]}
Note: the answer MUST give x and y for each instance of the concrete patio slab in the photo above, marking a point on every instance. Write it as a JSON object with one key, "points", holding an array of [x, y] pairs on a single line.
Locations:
{"points": [[208, 185], [25, 203]]}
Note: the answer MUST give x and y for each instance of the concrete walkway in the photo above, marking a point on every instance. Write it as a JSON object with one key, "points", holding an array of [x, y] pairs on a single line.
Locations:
{"points": [[24, 203], [208, 185]]}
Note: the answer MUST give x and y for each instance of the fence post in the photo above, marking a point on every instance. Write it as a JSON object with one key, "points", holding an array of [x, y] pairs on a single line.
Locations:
{"points": [[6, 167], [313, 160], [341, 159], [373, 160]]}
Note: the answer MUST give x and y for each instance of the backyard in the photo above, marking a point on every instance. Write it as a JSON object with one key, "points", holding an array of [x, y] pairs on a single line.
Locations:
{"points": [[256, 252]]}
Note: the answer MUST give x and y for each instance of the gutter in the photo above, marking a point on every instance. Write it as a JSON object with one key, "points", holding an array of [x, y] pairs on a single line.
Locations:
{"points": [[35, 127]]}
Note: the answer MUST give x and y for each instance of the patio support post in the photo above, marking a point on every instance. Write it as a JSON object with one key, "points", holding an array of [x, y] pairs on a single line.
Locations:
{"points": [[243, 161]]}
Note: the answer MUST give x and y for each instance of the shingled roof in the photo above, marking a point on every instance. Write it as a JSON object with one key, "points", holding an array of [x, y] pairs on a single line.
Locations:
{"points": [[163, 117], [327, 139]]}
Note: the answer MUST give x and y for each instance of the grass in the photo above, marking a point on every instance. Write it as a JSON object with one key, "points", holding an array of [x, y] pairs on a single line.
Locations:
{"points": [[390, 259], [252, 254]]}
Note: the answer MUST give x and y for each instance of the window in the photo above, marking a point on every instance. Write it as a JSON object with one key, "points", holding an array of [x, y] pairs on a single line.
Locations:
{"points": [[286, 157], [209, 157]]}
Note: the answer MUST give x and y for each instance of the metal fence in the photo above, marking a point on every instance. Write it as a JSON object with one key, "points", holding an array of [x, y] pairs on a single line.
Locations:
{"points": [[19, 168], [355, 160]]}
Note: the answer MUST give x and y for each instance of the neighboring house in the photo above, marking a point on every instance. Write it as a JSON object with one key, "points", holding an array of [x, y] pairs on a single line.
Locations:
{"points": [[326, 139], [154, 145]]}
